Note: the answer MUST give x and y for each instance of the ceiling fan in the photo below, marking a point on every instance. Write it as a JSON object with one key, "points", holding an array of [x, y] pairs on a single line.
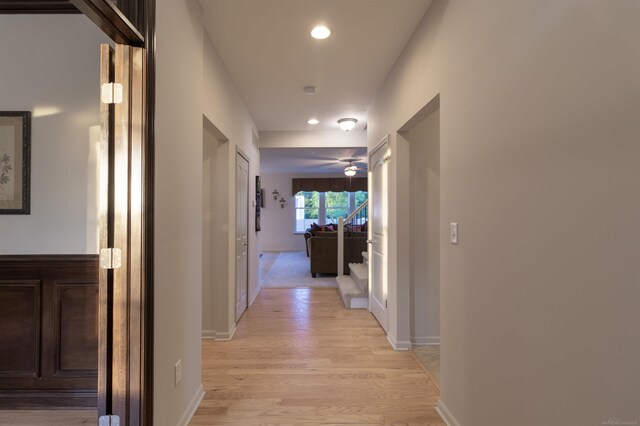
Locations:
{"points": [[351, 169]]}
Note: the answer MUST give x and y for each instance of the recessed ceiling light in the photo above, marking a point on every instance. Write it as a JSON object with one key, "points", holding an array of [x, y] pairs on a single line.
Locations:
{"points": [[310, 90], [320, 32], [313, 121]]}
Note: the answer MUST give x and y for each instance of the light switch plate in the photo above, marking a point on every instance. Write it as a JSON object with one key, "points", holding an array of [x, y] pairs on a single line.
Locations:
{"points": [[453, 234], [178, 371]]}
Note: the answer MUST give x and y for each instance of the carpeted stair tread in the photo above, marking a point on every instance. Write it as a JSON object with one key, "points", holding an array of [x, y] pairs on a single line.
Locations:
{"points": [[351, 294], [360, 272]]}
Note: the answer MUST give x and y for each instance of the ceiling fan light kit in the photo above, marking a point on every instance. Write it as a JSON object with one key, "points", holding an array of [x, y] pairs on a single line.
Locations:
{"points": [[350, 170], [347, 124]]}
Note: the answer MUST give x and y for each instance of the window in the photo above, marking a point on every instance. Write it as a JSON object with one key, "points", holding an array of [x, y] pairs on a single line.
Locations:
{"points": [[325, 207]]}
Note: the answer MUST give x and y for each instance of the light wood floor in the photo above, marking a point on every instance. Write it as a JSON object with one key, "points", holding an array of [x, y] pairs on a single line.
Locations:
{"points": [[48, 417], [300, 358]]}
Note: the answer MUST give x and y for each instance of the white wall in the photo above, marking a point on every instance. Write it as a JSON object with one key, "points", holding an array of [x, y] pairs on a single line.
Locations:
{"points": [[278, 225], [539, 166], [191, 83], [178, 210], [424, 171], [50, 65], [313, 139]]}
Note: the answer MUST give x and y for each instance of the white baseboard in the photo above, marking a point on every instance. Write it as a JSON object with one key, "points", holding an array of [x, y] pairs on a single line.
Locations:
{"points": [[446, 415], [226, 336], [425, 340], [208, 334], [254, 295], [192, 407], [398, 345], [219, 335]]}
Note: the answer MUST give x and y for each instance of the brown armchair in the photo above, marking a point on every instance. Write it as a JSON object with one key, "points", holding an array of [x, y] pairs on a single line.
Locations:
{"points": [[323, 253]]}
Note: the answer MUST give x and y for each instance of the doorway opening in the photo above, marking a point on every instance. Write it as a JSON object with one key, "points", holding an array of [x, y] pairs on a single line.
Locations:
{"points": [[218, 314], [306, 191], [49, 256], [422, 133]]}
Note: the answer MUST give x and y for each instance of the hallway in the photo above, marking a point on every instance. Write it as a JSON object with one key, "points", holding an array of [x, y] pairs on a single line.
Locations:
{"points": [[300, 358]]}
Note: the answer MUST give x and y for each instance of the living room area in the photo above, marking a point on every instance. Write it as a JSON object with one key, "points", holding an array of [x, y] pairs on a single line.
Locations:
{"points": [[304, 193]]}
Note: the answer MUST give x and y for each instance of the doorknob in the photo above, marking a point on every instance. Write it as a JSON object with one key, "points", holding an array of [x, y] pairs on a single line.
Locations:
{"points": [[246, 244]]}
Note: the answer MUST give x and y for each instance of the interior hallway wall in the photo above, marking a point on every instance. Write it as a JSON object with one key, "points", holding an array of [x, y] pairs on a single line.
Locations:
{"points": [[178, 211], [50, 65], [539, 166], [191, 82], [225, 109]]}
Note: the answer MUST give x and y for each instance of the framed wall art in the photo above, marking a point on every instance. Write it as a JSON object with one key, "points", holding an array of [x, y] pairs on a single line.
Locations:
{"points": [[15, 162]]}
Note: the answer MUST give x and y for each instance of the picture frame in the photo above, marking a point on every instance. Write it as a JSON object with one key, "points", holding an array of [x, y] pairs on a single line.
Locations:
{"points": [[15, 162]]}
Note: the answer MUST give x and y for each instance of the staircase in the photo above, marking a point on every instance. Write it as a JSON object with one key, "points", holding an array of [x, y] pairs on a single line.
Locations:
{"points": [[354, 288]]}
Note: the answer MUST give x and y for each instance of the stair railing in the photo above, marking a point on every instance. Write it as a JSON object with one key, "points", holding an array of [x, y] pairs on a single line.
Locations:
{"points": [[358, 218]]}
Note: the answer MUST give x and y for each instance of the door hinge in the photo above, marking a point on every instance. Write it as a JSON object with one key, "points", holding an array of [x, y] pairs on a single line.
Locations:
{"points": [[109, 421], [385, 303], [111, 93], [110, 258]]}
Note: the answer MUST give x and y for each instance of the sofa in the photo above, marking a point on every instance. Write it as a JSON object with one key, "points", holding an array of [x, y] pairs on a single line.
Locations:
{"points": [[331, 230], [323, 251]]}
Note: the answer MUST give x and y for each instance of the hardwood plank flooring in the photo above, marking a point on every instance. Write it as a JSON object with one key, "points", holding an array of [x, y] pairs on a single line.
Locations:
{"points": [[48, 417], [300, 358]]}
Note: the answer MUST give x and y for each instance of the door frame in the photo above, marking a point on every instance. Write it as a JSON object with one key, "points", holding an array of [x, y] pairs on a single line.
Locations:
{"points": [[113, 23], [384, 143], [241, 153]]}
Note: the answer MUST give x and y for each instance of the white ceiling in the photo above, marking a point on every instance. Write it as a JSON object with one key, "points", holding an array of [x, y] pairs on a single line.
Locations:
{"points": [[266, 47], [311, 161]]}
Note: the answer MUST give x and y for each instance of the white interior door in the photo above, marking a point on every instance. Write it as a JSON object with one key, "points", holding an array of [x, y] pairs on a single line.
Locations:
{"points": [[242, 225], [378, 226]]}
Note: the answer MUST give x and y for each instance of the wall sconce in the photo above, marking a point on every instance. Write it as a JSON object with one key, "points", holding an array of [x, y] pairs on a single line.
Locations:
{"points": [[282, 202], [275, 194]]}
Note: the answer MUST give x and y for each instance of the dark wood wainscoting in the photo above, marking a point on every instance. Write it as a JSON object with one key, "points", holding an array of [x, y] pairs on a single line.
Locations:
{"points": [[48, 331]]}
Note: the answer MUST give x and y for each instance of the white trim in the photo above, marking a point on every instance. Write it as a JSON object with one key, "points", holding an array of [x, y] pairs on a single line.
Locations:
{"points": [[192, 407], [398, 345], [254, 295], [208, 334], [446, 415], [226, 336], [359, 302], [383, 142], [425, 341]]}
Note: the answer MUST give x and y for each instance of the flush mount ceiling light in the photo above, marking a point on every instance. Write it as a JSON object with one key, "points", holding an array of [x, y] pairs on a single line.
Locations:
{"points": [[320, 32], [350, 170], [347, 124], [313, 121]]}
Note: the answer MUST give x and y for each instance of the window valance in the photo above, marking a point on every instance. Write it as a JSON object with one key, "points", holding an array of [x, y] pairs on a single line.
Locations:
{"points": [[329, 184]]}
